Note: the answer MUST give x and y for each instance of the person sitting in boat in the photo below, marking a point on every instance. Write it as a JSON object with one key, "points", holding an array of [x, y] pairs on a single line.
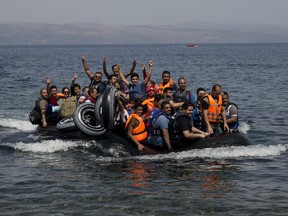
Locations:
{"points": [[137, 90], [115, 69], [231, 110], [168, 96], [111, 80], [152, 103], [158, 135], [52, 92], [45, 109], [53, 95], [93, 95], [212, 109], [181, 128], [84, 95], [135, 127], [75, 87], [196, 114], [96, 79], [182, 95], [167, 82], [67, 104]]}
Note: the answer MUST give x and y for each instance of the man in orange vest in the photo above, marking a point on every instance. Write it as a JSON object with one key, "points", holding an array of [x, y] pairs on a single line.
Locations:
{"points": [[166, 82], [212, 109], [135, 127]]}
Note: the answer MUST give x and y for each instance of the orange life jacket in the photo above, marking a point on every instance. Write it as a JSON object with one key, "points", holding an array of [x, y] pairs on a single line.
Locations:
{"points": [[214, 109], [150, 107], [162, 87], [139, 133]]}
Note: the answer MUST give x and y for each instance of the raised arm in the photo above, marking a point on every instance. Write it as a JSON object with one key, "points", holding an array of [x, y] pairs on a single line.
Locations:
{"points": [[86, 68], [147, 79], [105, 60], [134, 63], [48, 83], [143, 70], [74, 77], [121, 75]]}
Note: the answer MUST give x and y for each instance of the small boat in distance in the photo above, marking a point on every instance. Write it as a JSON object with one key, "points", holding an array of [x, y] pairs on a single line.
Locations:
{"points": [[191, 45]]}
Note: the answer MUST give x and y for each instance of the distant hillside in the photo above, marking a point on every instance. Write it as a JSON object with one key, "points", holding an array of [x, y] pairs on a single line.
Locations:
{"points": [[75, 33]]}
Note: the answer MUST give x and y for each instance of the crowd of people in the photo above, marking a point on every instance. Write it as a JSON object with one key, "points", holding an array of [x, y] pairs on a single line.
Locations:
{"points": [[156, 115]]}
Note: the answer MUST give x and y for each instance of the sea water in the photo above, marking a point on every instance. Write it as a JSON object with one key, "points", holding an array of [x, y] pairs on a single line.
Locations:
{"points": [[44, 175]]}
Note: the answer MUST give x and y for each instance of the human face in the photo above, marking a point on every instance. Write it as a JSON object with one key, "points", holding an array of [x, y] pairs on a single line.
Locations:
{"points": [[135, 81], [166, 78], [94, 94], [169, 94], [139, 111], [54, 91], [182, 84], [126, 95], [113, 80], [77, 90], [167, 109], [225, 99], [44, 93], [97, 77], [188, 111], [85, 91], [66, 93], [115, 70], [200, 94], [216, 93]]}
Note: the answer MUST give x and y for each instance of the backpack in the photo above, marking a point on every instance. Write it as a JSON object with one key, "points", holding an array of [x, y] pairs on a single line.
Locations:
{"points": [[68, 107], [34, 116]]}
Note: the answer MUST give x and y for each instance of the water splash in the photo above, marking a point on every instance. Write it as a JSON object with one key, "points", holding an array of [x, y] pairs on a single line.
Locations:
{"points": [[253, 151], [244, 127], [48, 146], [17, 124]]}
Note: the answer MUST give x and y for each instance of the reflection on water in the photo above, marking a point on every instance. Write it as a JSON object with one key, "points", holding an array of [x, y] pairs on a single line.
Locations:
{"points": [[138, 174]]}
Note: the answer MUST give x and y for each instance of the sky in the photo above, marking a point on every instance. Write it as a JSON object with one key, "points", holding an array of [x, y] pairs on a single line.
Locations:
{"points": [[145, 12]]}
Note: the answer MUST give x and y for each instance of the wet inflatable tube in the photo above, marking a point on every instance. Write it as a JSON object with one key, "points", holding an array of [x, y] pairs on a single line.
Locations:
{"points": [[98, 110], [108, 107], [66, 124], [225, 140], [84, 118], [51, 132]]}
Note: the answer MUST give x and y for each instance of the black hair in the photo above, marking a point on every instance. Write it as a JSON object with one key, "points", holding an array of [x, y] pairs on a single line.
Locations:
{"points": [[168, 89], [91, 90], [200, 89], [166, 72], [134, 75], [114, 66], [77, 85], [186, 105], [53, 86], [164, 103], [110, 76], [158, 97], [63, 89], [225, 93]]}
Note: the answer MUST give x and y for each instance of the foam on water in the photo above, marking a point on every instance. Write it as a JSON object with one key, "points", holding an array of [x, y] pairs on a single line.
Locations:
{"points": [[17, 124], [47, 146], [253, 151], [244, 127]]}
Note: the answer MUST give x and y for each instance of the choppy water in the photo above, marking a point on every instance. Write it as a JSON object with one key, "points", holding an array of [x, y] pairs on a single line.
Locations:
{"points": [[41, 175]]}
